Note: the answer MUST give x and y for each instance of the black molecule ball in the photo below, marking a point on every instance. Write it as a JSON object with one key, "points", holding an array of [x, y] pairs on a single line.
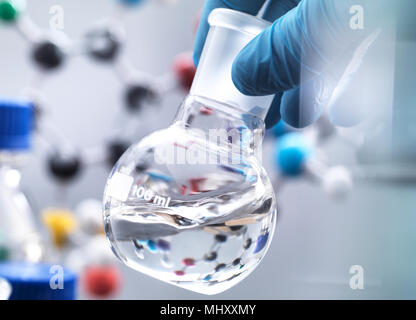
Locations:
{"points": [[115, 150], [48, 55], [103, 44], [64, 168], [138, 95]]}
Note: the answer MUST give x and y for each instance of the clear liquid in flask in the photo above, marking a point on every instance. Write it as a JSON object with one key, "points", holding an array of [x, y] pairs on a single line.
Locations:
{"points": [[205, 233]]}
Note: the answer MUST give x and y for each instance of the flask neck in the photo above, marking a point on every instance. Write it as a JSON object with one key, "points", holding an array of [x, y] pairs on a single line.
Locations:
{"points": [[230, 31], [233, 126], [217, 114]]}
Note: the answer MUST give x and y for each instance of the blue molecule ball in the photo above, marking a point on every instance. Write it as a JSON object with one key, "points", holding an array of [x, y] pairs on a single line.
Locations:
{"points": [[261, 242], [291, 153], [131, 2]]}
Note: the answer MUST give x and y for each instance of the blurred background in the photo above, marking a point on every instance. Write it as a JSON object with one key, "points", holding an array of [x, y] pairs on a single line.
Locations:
{"points": [[318, 238]]}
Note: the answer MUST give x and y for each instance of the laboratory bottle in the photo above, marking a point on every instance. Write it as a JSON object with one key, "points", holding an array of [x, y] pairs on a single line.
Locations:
{"points": [[19, 237]]}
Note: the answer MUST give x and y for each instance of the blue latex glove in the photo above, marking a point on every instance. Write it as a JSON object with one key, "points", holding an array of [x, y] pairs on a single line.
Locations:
{"points": [[290, 57]]}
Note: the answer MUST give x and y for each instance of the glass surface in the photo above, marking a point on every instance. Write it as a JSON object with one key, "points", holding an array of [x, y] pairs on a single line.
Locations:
{"points": [[191, 210], [19, 239]]}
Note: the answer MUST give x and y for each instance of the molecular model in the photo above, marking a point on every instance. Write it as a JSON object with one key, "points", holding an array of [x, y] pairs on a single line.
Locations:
{"points": [[220, 236], [296, 154], [77, 235]]}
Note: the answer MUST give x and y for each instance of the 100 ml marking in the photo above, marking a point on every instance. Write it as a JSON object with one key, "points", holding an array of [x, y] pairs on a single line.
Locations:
{"points": [[150, 196]]}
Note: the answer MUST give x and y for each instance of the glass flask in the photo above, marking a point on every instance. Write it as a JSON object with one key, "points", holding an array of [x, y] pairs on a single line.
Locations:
{"points": [[191, 204], [19, 238]]}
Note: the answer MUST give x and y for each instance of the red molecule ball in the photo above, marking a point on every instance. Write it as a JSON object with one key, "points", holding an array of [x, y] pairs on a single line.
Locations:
{"points": [[183, 189], [196, 184], [184, 69], [180, 273], [206, 111], [102, 281], [189, 262]]}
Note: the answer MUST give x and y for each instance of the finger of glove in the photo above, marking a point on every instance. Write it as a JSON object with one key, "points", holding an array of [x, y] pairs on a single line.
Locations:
{"points": [[273, 116], [303, 105], [276, 8], [296, 48]]}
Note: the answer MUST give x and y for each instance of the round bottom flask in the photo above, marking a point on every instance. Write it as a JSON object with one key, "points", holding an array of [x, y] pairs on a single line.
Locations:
{"points": [[191, 205]]}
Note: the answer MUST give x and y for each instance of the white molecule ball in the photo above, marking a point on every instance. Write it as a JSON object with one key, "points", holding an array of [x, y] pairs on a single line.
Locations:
{"points": [[76, 260], [5, 289], [98, 251], [89, 213], [337, 182], [95, 252]]}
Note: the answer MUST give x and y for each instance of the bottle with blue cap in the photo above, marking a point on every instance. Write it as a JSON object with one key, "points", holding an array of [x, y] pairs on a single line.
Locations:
{"points": [[24, 276], [37, 281], [19, 238]]}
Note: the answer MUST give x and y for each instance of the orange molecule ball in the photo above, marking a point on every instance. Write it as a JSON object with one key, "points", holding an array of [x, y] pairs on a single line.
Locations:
{"points": [[102, 281], [184, 69]]}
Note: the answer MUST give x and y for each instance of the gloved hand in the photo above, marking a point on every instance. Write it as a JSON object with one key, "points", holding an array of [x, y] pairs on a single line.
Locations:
{"points": [[291, 57]]}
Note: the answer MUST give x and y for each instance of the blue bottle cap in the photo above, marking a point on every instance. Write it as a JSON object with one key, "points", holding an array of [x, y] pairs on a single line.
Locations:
{"points": [[39, 281], [16, 123]]}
